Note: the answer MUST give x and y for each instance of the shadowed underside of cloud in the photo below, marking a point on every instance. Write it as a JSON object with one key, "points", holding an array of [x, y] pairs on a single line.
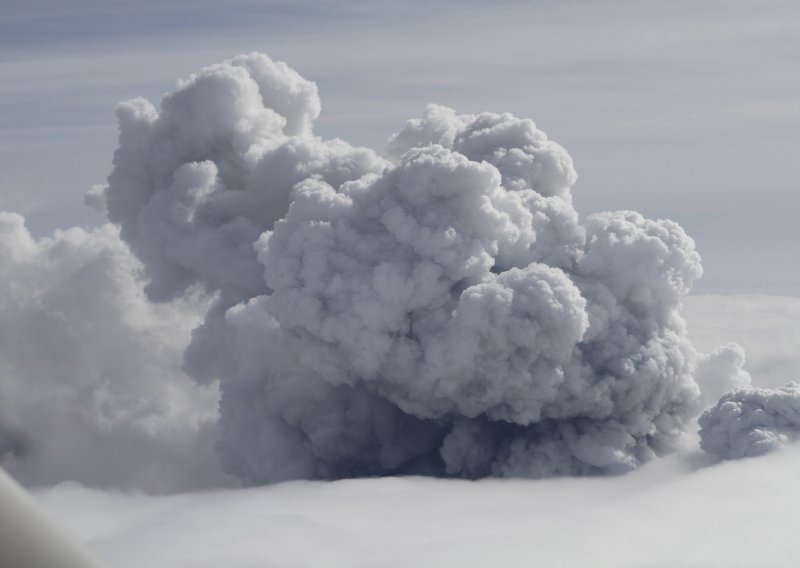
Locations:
{"points": [[444, 311]]}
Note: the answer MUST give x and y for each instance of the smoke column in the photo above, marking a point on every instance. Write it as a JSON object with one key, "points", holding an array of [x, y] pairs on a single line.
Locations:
{"points": [[442, 310]]}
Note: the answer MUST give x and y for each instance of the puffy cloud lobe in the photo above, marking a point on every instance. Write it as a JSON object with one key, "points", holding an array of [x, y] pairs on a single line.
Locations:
{"points": [[91, 385], [446, 313], [354, 268], [196, 183], [647, 265], [749, 422], [522, 153], [720, 371]]}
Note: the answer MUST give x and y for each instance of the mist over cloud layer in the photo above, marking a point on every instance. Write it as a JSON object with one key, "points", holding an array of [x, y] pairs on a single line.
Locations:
{"points": [[765, 326], [445, 312]]}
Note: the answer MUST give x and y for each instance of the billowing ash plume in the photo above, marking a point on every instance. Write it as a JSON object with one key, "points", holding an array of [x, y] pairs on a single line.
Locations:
{"points": [[194, 186], [751, 421], [445, 312]]}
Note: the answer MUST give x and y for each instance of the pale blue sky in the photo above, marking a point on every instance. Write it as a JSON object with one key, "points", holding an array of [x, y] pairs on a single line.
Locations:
{"points": [[683, 109]]}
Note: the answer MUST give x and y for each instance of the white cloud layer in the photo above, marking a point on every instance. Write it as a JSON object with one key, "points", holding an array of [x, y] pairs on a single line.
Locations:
{"points": [[673, 513]]}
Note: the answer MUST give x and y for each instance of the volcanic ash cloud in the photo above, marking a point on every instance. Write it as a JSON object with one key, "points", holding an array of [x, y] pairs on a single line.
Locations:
{"points": [[443, 310]]}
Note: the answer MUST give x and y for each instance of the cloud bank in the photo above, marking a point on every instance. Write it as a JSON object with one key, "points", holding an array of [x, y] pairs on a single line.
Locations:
{"points": [[91, 384], [443, 311]]}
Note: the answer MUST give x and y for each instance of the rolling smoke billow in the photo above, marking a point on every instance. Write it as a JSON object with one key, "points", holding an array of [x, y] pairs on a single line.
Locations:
{"points": [[442, 310], [748, 422]]}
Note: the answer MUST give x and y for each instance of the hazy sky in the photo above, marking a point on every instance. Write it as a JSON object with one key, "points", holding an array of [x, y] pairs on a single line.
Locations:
{"points": [[686, 110]]}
